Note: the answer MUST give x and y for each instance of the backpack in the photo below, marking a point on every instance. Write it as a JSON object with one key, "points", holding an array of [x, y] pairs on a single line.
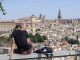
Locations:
{"points": [[45, 50]]}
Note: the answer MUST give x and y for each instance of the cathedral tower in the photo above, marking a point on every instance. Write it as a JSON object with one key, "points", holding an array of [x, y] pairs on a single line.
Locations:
{"points": [[59, 14]]}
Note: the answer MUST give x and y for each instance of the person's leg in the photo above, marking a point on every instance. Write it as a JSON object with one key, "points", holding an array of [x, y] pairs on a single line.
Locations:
{"points": [[30, 48], [29, 51], [25, 52], [26, 49]]}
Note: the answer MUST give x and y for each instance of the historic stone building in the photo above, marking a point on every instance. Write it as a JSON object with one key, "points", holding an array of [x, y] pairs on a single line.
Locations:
{"points": [[6, 26], [28, 23]]}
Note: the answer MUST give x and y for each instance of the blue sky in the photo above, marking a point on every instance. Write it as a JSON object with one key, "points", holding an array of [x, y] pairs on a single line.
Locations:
{"points": [[23, 8]]}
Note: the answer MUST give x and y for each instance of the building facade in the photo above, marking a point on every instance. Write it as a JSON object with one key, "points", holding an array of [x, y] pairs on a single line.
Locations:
{"points": [[6, 26]]}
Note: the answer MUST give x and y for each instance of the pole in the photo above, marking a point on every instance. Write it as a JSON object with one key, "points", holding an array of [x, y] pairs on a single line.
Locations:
{"points": [[77, 40]]}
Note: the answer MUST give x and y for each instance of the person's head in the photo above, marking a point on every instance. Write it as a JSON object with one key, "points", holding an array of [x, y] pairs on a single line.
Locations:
{"points": [[18, 27]]}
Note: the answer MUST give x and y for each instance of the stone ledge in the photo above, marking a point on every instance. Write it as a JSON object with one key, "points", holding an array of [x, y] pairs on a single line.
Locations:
{"points": [[18, 56], [4, 50]]}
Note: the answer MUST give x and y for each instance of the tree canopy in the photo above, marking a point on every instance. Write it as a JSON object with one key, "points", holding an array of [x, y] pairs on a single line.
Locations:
{"points": [[37, 37], [1, 8], [71, 40]]}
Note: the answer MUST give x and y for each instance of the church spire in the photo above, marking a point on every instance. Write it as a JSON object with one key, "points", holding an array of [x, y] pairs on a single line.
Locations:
{"points": [[40, 16], [59, 14]]}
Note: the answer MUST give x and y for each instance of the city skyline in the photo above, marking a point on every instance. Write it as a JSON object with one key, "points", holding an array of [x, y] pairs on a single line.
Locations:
{"points": [[19, 8]]}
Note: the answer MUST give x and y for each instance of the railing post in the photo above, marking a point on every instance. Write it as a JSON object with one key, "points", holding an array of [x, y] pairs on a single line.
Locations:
{"points": [[75, 54], [76, 57], [49, 56], [39, 56]]}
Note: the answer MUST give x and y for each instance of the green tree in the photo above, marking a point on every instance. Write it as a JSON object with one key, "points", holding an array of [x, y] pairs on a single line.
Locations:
{"points": [[39, 37], [71, 41], [1, 8], [66, 38], [44, 37], [32, 37]]}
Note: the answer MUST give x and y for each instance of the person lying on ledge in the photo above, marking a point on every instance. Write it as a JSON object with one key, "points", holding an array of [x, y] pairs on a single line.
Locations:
{"points": [[20, 39]]}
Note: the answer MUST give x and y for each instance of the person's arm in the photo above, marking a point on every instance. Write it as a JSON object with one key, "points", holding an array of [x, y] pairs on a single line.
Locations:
{"points": [[11, 47]]}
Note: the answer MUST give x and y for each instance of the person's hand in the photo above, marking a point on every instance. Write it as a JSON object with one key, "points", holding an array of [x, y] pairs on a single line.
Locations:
{"points": [[29, 41]]}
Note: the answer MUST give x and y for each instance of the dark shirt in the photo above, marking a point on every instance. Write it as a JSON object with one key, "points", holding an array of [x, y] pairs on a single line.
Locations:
{"points": [[20, 38]]}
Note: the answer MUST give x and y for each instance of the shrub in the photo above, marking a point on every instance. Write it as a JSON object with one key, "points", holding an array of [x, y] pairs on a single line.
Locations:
{"points": [[71, 41], [37, 37], [3, 41]]}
